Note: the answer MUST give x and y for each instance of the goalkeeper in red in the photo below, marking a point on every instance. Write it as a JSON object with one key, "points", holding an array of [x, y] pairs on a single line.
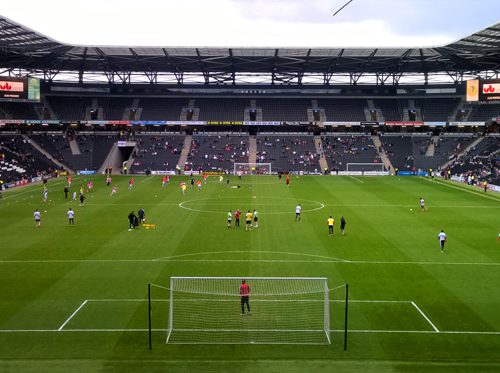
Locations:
{"points": [[245, 295]]}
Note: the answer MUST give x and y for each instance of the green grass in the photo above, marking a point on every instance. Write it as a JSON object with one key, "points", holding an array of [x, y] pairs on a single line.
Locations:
{"points": [[389, 253]]}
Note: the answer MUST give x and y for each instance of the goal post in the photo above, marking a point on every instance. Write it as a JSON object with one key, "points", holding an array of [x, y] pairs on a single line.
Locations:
{"points": [[280, 310], [252, 169], [368, 169]]}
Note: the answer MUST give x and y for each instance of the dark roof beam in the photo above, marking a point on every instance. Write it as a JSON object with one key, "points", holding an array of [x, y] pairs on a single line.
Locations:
{"points": [[331, 68]]}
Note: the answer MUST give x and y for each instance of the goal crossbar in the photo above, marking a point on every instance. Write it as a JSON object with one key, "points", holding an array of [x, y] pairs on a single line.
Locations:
{"points": [[252, 168], [214, 310]]}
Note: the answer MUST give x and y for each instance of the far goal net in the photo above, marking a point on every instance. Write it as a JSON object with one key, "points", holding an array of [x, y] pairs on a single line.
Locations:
{"points": [[252, 168], [208, 310], [365, 168]]}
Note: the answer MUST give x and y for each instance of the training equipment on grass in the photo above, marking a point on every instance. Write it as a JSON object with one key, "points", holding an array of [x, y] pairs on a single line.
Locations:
{"points": [[207, 310], [252, 169]]}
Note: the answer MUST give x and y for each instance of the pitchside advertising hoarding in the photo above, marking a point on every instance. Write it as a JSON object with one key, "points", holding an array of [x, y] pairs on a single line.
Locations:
{"points": [[19, 89], [483, 90]]}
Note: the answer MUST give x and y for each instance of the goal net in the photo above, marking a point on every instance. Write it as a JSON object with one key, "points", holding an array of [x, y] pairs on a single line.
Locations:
{"points": [[365, 169], [208, 310], [252, 168]]}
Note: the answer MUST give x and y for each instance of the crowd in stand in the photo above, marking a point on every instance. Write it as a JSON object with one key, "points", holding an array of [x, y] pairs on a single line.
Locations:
{"points": [[345, 149], [18, 152], [156, 146], [290, 152], [217, 153]]}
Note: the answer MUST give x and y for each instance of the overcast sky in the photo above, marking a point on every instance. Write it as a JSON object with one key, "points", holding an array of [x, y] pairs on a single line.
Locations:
{"points": [[255, 23]]}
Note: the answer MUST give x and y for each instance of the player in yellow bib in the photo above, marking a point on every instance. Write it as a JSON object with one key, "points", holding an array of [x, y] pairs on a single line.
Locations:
{"points": [[331, 222], [248, 221]]}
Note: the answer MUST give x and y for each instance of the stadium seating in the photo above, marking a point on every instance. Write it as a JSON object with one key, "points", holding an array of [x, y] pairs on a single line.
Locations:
{"points": [[391, 109], [221, 109], [344, 109], [436, 109], [288, 152], [17, 110], [162, 108], [20, 160], [217, 151], [485, 112], [157, 152], [481, 161], [70, 108], [93, 149], [340, 149], [275, 109]]}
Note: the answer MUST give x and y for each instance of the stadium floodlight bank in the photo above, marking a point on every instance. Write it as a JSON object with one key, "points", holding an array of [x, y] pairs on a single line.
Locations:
{"points": [[252, 169], [284, 310], [364, 169]]}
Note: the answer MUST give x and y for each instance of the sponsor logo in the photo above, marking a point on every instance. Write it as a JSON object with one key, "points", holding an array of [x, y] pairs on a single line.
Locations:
{"points": [[7, 86], [491, 88]]}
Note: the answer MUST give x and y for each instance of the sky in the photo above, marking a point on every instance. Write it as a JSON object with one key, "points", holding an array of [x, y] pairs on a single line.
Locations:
{"points": [[255, 23]]}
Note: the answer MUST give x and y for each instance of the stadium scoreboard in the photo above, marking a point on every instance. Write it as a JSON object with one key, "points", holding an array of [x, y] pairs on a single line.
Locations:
{"points": [[19, 89], [483, 90]]}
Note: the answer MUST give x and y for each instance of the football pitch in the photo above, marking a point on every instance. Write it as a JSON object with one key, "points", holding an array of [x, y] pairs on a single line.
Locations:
{"points": [[75, 298]]}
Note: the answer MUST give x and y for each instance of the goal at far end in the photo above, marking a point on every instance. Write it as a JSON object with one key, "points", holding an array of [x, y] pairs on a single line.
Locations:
{"points": [[208, 310], [252, 169], [375, 169]]}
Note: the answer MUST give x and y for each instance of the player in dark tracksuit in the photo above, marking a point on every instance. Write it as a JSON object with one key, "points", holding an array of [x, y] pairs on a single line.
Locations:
{"points": [[342, 224]]}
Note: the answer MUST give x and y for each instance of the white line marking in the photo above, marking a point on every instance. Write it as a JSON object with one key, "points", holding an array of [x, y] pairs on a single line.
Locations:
{"points": [[148, 178], [254, 300], [425, 317], [166, 259], [31, 190], [73, 314], [476, 193], [352, 177], [329, 259], [291, 210], [449, 332]]}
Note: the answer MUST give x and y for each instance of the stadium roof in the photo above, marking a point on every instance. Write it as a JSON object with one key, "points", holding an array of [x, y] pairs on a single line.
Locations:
{"points": [[24, 49]]}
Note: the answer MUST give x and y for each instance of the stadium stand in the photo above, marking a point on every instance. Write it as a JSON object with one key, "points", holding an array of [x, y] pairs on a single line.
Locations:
{"points": [[18, 159], [481, 161], [284, 109], [17, 110], [221, 109], [157, 152], [70, 108], [288, 152], [217, 151], [340, 149], [344, 109], [162, 108], [391, 109], [93, 149], [485, 112], [436, 109], [114, 107]]}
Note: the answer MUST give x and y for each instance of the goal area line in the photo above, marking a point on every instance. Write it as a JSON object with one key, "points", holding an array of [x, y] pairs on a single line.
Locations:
{"points": [[413, 304], [145, 330]]}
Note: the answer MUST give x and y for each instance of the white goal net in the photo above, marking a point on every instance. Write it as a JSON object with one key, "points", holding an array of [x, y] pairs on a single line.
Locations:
{"points": [[252, 169], [212, 310], [365, 169]]}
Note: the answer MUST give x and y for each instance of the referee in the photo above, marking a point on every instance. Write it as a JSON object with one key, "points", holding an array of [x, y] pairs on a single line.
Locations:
{"points": [[244, 294]]}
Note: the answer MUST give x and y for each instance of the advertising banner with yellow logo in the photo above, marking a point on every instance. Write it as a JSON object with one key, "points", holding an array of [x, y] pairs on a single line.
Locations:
{"points": [[472, 90]]}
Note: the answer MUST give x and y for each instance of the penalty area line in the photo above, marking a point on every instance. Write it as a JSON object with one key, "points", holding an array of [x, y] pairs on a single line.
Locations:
{"points": [[72, 315], [425, 317], [355, 178]]}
